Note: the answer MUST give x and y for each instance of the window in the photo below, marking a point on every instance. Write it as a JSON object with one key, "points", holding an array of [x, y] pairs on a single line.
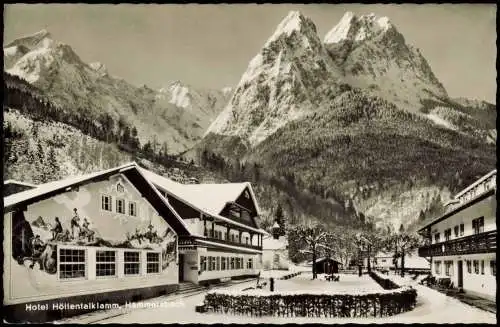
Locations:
{"points": [[448, 268], [476, 266], [120, 188], [461, 229], [250, 263], [482, 267], [72, 263], [131, 263], [469, 266], [456, 229], [209, 263], [132, 209], [246, 239], [152, 262], [105, 263], [247, 195], [232, 238], [447, 234], [436, 237], [223, 263], [235, 212], [232, 263], [203, 263], [120, 206], [478, 225], [493, 267], [218, 263], [106, 203], [437, 266], [213, 263]]}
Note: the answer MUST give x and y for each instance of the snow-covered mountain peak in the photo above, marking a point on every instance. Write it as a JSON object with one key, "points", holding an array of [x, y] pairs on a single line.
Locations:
{"points": [[31, 41], [354, 28], [294, 21]]}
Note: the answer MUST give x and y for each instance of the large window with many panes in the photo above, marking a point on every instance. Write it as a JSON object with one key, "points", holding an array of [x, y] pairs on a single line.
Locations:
{"points": [[152, 262], [105, 263], [131, 263], [72, 263]]}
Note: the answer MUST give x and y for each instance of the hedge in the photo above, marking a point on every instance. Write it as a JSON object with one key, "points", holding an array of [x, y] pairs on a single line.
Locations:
{"points": [[311, 304], [386, 283]]}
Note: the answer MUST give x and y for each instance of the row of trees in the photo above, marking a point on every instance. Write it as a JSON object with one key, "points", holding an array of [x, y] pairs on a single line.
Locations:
{"points": [[310, 241]]}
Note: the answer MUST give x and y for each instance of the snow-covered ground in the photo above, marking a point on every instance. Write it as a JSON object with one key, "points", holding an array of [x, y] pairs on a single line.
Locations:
{"points": [[432, 307], [346, 283]]}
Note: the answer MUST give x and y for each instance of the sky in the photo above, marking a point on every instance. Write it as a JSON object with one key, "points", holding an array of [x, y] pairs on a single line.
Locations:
{"points": [[210, 46]]}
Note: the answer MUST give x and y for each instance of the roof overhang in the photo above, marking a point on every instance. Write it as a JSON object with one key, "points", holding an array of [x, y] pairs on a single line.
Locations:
{"points": [[45, 191]]}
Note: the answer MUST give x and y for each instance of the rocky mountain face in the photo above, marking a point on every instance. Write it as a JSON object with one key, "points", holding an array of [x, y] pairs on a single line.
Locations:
{"points": [[359, 116], [373, 55], [291, 75], [178, 115]]}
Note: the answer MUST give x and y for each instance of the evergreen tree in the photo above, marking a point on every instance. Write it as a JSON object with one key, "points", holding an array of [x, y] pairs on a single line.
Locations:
{"points": [[280, 219], [52, 165]]}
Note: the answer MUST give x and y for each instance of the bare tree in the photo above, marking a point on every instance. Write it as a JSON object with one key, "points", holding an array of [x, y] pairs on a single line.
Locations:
{"points": [[313, 237], [402, 243]]}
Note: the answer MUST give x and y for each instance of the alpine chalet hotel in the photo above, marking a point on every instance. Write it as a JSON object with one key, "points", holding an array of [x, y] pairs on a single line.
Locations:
{"points": [[462, 243], [118, 235]]}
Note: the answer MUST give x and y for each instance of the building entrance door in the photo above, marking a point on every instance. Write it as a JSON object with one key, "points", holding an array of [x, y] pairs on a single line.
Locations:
{"points": [[181, 267], [460, 274]]}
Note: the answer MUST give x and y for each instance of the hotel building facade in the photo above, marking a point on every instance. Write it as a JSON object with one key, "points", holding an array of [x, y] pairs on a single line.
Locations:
{"points": [[116, 235], [461, 244]]}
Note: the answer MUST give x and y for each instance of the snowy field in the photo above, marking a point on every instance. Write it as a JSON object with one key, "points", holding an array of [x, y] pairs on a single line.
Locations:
{"points": [[346, 284]]}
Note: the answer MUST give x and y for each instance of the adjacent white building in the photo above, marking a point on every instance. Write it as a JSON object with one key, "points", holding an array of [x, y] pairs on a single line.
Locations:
{"points": [[462, 243], [275, 252]]}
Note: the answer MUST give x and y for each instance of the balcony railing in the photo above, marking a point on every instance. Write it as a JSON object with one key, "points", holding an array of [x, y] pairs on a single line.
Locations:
{"points": [[191, 242], [245, 245], [478, 243]]}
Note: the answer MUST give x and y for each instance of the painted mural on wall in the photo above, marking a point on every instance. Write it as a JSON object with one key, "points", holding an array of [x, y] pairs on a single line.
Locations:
{"points": [[79, 218]]}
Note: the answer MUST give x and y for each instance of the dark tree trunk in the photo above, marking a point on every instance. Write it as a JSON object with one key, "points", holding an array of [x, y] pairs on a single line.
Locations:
{"points": [[368, 266], [314, 261], [402, 263]]}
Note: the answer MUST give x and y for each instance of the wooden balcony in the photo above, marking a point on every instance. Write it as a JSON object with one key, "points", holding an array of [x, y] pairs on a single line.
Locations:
{"points": [[244, 245], [478, 243], [191, 241]]}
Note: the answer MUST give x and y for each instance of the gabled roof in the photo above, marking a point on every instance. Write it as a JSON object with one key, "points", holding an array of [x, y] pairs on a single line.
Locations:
{"points": [[130, 170], [211, 198]]}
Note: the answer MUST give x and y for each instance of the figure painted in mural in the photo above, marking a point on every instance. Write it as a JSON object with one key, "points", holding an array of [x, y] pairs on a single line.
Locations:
{"points": [[75, 227], [57, 230], [85, 231], [37, 247]]}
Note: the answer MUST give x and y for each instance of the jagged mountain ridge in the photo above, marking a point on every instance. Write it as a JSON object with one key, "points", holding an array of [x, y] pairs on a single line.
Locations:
{"points": [[68, 82], [390, 79], [281, 82], [365, 52], [374, 55]]}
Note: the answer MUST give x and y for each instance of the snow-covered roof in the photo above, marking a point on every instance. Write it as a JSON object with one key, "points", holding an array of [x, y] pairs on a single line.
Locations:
{"points": [[54, 186], [270, 243], [66, 184], [321, 259], [12, 181], [210, 198]]}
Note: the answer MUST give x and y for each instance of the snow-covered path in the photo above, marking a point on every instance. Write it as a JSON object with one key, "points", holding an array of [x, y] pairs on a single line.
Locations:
{"points": [[432, 307]]}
